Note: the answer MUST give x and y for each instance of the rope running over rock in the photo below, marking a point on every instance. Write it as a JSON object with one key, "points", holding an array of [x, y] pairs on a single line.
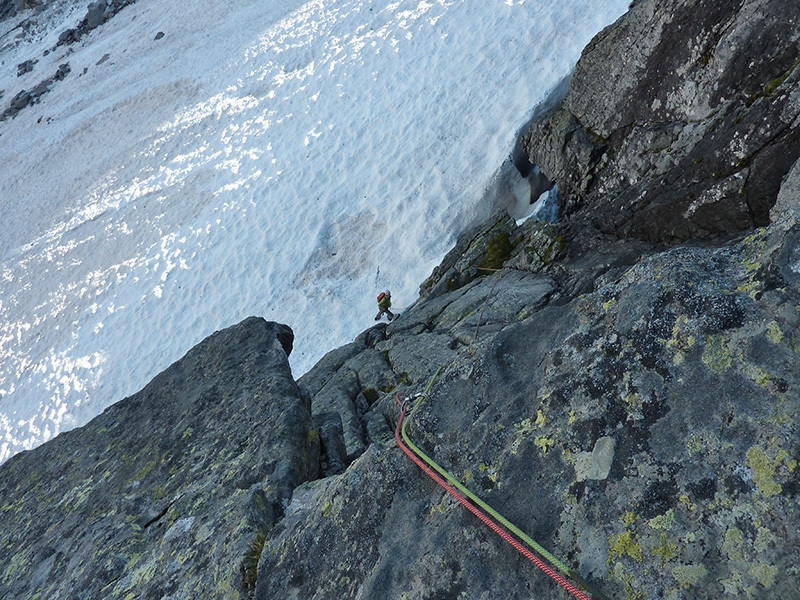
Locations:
{"points": [[480, 509]]}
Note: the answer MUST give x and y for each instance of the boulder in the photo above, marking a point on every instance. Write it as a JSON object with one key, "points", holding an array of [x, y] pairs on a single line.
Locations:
{"points": [[26, 66], [95, 14]]}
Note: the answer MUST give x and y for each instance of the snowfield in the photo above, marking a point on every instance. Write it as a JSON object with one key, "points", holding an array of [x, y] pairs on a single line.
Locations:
{"points": [[285, 159]]}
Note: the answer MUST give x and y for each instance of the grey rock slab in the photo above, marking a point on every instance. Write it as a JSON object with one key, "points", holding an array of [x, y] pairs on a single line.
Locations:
{"points": [[163, 492], [338, 396], [316, 377], [627, 430]]}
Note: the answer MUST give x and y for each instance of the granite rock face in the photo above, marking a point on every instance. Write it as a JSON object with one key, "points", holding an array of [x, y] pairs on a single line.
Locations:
{"points": [[163, 494], [628, 399], [644, 431], [9, 8], [680, 121]]}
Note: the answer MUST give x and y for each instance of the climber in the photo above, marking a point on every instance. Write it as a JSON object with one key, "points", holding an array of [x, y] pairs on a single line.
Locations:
{"points": [[384, 302]]}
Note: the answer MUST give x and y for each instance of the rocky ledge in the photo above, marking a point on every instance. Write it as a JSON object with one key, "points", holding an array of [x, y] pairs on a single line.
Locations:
{"points": [[622, 385]]}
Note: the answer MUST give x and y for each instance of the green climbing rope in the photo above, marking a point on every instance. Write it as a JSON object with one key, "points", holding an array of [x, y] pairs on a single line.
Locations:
{"points": [[475, 499]]}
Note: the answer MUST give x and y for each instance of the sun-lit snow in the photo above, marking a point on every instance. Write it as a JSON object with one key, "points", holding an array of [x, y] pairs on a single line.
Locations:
{"points": [[285, 159]]}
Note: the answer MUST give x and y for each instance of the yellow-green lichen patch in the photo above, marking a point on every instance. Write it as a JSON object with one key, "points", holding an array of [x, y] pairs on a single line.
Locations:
{"points": [[681, 341], [489, 471], [543, 443], [145, 573], [186, 556], [629, 518], [757, 375], [664, 522], [144, 471], [524, 427], [733, 586], [312, 436], [441, 507], [666, 550], [764, 573], [784, 457], [752, 288], [17, 565], [172, 516], [78, 495], [764, 468], [705, 443], [765, 539], [693, 445], [717, 356], [14, 507], [733, 544], [634, 402], [621, 573], [780, 416], [774, 333], [624, 545], [333, 507], [688, 575]]}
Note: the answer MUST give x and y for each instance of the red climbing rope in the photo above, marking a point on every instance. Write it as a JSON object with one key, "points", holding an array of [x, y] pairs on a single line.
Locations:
{"points": [[481, 515]]}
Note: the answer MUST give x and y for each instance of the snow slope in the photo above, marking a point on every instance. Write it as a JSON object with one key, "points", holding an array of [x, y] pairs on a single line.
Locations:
{"points": [[286, 159]]}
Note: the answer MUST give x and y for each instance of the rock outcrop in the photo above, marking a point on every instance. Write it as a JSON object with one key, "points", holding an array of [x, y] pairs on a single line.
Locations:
{"points": [[630, 402], [646, 432], [167, 492], [680, 121], [26, 98], [9, 8]]}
